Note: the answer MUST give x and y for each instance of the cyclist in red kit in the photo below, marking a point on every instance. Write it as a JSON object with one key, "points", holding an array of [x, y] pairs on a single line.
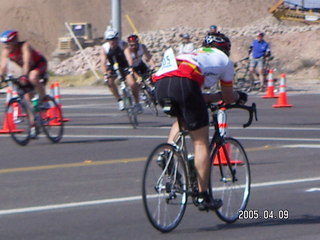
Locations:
{"points": [[33, 64]]}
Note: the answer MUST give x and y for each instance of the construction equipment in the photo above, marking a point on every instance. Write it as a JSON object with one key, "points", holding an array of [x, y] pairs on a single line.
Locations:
{"points": [[67, 45], [307, 11]]}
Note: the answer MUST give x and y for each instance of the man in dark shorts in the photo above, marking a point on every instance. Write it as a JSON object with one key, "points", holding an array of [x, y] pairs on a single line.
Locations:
{"points": [[181, 79]]}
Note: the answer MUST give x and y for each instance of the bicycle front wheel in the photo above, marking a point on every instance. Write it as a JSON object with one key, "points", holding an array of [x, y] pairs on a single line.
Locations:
{"points": [[149, 100], [128, 103], [18, 120], [164, 189], [52, 121], [230, 179]]}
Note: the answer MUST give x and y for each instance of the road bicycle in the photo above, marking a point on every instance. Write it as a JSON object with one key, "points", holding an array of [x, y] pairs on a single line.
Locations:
{"points": [[147, 92], [126, 94], [25, 121], [170, 177], [242, 81], [127, 97]]}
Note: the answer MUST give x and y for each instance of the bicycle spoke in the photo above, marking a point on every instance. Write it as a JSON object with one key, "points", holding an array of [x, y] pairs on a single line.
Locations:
{"points": [[230, 179], [164, 188]]}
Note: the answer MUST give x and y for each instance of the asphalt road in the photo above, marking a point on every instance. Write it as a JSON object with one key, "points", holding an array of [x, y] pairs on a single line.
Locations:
{"points": [[89, 186]]}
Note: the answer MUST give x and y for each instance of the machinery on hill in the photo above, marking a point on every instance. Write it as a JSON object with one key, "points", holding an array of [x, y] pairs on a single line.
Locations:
{"points": [[307, 11], [67, 45]]}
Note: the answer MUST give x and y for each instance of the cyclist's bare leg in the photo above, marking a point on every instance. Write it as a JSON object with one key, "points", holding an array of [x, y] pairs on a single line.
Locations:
{"points": [[134, 87], [201, 153], [261, 76], [113, 88], [34, 78], [173, 132], [251, 73]]}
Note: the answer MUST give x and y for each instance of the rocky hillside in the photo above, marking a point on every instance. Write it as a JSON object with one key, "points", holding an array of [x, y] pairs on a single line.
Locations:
{"points": [[42, 21], [295, 46]]}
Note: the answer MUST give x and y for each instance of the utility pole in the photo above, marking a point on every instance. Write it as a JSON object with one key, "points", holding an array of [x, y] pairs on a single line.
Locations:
{"points": [[116, 16]]}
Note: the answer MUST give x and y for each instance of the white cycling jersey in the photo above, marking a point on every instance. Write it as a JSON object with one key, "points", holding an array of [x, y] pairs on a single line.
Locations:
{"points": [[107, 48], [137, 57], [214, 65]]}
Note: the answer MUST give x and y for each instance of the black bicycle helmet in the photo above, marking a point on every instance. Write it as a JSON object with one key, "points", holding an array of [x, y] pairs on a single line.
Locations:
{"points": [[218, 40]]}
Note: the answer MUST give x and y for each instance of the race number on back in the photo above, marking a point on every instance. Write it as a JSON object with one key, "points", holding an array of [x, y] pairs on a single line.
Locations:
{"points": [[169, 62]]}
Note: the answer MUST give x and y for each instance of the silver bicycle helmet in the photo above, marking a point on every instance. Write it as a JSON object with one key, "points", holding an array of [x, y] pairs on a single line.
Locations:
{"points": [[111, 34]]}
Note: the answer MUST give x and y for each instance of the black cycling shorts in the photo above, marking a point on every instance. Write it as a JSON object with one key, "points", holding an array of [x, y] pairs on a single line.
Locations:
{"points": [[187, 94], [141, 68]]}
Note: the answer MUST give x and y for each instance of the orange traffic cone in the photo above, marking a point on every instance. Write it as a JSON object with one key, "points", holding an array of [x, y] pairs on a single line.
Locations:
{"points": [[221, 157], [54, 115], [57, 98], [270, 90], [8, 123], [282, 102]]}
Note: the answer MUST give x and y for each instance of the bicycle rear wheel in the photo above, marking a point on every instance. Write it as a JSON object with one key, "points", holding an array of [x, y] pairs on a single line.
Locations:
{"points": [[164, 189], [242, 81], [52, 121], [230, 179], [18, 120]]}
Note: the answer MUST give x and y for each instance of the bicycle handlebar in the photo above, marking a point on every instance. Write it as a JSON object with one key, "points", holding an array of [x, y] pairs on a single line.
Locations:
{"points": [[252, 110], [7, 79]]}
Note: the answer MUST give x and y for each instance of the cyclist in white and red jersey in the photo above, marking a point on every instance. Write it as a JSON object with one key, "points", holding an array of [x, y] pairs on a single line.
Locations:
{"points": [[138, 54], [181, 80], [33, 64]]}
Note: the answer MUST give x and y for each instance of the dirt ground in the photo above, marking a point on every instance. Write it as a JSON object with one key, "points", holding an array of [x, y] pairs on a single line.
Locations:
{"points": [[42, 22]]}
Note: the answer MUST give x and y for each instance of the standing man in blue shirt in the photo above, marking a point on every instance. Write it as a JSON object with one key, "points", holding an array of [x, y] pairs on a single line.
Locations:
{"points": [[259, 50]]}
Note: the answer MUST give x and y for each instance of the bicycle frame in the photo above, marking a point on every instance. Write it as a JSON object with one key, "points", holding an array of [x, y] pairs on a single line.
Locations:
{"points": [[49, 119]]}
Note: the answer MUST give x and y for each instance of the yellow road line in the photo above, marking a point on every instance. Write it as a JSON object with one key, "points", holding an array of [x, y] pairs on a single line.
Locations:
{"points": [[104, 162], [70, 165]]}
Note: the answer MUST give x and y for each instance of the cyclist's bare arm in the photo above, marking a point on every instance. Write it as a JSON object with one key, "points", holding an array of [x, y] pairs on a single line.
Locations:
{"points": [[4, 62], [148, 56], [128, 56], [104, 62], [26, 55], [227, 94]]}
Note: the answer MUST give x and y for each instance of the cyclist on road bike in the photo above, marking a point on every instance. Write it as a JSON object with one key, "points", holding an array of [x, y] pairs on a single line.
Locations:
{"points": [[259, 51], [113, 52], [181, 79], [33, 64], [137, 55]]}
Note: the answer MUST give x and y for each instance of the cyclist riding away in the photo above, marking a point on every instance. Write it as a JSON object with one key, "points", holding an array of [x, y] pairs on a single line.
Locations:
{"points": [[113, 52], [33, 64], [260, 50], [181, 79], [137, 55]]}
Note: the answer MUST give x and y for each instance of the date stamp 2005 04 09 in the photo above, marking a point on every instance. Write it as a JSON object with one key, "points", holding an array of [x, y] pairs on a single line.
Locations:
{"points": [[264, 214]]}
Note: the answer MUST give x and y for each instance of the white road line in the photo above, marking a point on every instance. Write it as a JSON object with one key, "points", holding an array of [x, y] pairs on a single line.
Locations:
{"points": [[69, 125], [93, 105], [301, 146], [313, 190], [272, 139], [132, 198]]}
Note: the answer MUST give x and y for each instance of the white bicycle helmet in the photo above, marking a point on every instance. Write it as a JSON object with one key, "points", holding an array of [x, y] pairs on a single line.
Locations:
{"points": [[110, 34]]}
